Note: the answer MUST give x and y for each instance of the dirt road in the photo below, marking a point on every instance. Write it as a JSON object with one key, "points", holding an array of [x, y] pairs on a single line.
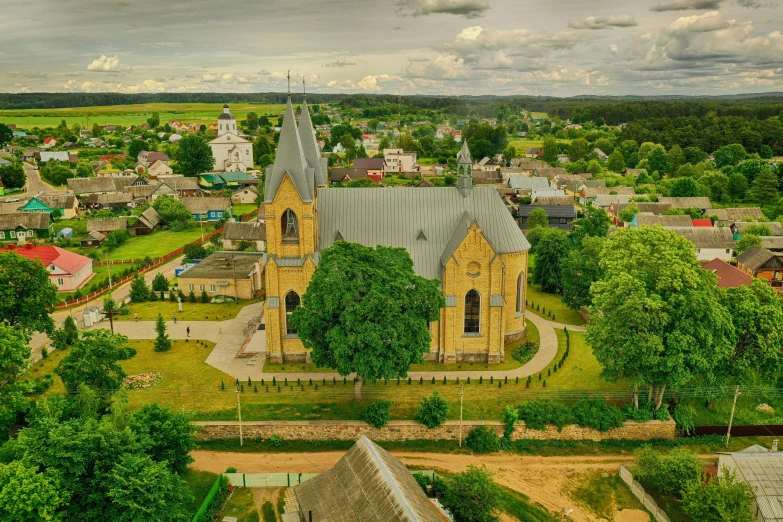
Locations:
{"points": [[542, 479]]}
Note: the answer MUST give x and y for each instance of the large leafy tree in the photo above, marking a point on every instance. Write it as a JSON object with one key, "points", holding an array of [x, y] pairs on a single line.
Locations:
{"points": [[552, 247], [366, 311], [616, 162], [730, 155], [94, 362], [166, 436], [581, 268], [656, 318], [550, 149], [173, 212], [194, 156], [537, 218], [684, 187], [764, 189], [26, 294], [594, 223], [14, 357], [472, 496], [29, 495], [13, 175]]}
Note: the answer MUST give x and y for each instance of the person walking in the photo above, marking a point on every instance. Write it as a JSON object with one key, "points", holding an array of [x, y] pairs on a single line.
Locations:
{"points": [[188, 331], [175, 318]]}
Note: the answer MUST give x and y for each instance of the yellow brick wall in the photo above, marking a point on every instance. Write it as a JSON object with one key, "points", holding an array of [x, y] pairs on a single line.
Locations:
{"points": [[245, 288], [515, 264], [288, 198]]}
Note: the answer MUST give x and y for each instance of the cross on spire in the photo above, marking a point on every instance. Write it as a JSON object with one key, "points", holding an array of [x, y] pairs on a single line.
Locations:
{"points": [[304, 88], [289, 82]]}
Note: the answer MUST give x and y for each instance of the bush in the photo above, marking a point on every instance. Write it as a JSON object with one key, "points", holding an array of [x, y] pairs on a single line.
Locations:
{"points": [[668, 473], [423, 481], [376, 414], [685, 418], [537, 414], [124, 310], [231, 469], [192, 297], [204, 296], [472, 496], [432, 411], [275, 441], [269, 512], [482, 439], [597, 414], [721, 499], [525, 352]]}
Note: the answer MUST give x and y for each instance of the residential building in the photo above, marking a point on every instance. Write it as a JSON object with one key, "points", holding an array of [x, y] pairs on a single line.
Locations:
{"points": [[231, 151], [149, 221], [244, 195], [462, 235], [67, 204], [103, 185], [390, 492], [534, 152], [236, 274], [605, 201], [553, 200], [21, 226], [602, 156], [588, 194], [48, 143], [92, 239], [526, 185], [710, 243], [46, 156], [728, 276], [208, 209], [762, 263], [738, 227], [67, 270], [702, 203], [36, 205], [560, 216], [107, 225], [252, 233], [222, 180], [772, 243], [341, 175], [114, 201], [176, 186], [762, 470], [644, 219], [634, 172], [727, 216], [396, 161], [644, 207], [159, 168], [372, 166], [148, 157]]}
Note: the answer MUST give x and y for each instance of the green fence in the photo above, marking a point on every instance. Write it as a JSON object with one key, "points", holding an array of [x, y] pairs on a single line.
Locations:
{"points": [[202, 511]]}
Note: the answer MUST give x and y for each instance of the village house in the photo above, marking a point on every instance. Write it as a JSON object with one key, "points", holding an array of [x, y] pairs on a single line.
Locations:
{"points": [[605, 201], [244, 195], [728, 276], [237, 234], [148, 222], [107, 225], [534, 152], [589, 194], [762, 263], [709, 243], [21, 226], [643, 206], [738, 227], [114, 201], [759, 468], [552, 200], [176, 186], [526, 185], [772, 243], [159, 168], [462, 235], [373, 167], [67, 270], [702, 203], [560, 216], [235, 274], [207, 209], [105, 185], [148, 157], [49, 143], [727, 216], [344, 175], [644, 219], [397, 161], [92, 239]]}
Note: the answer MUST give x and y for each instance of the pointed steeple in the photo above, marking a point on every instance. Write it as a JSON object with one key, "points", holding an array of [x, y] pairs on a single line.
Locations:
{"points": [[290, 160], [464, 170], [463, 156], [310, 145]]}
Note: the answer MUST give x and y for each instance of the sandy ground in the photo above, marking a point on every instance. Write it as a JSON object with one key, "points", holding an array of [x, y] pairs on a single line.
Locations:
{"points": [[542, 479]]}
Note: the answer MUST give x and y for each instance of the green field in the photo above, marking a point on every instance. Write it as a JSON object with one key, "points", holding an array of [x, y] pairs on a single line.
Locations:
{"points": [[242, 209], [153, 245], [553, 303], [134, 114]]}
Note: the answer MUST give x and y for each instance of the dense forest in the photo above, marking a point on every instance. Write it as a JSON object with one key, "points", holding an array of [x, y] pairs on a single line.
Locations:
{"points": [[613, 110]]}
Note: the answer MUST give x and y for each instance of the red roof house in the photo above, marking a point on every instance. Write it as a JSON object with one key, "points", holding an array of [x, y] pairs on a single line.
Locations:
{"points": [[728, 276], [702, 223], [67, 270]]}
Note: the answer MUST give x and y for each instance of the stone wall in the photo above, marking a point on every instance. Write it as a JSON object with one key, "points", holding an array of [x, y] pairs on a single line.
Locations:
{"points": [[411, 430]]}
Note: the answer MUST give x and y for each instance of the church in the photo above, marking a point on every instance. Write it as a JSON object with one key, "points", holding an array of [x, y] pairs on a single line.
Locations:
{"points": [[231, 151], [464, 236]]}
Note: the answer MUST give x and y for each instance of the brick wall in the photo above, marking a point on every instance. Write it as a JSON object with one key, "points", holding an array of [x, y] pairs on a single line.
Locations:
{"points": [[410, 430]]}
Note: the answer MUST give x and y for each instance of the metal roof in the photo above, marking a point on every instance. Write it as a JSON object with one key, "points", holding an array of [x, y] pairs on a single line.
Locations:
{"points": [[290, 159], [366, 484], [763, 472], [526, 183], [310, 145], [394, 217], [463, 157], [556, 211]]}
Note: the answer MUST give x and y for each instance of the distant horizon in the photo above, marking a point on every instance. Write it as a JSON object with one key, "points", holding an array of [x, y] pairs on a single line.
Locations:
{"points": [[402, 47]]}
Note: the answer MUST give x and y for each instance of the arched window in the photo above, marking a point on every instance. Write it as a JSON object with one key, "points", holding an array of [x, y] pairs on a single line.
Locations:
{"points": [[292, 302], [236, 156], [520, 288], [221, 126], [461, 170], [290, 227], [472, 312]]}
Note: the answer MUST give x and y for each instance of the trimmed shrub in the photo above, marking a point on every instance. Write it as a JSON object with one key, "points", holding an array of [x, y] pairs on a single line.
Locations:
{"points": [[432, 411], [537, 414], [376, 414], [482, 439], [597, 414]]}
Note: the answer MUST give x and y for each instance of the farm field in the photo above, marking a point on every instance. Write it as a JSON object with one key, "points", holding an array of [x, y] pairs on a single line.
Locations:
{"points": [[133, 114], [192, 385], [522, 144]]}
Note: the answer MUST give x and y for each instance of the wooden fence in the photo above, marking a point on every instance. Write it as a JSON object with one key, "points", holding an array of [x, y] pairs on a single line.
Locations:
{"points": [[647, 501], [117, 282]]}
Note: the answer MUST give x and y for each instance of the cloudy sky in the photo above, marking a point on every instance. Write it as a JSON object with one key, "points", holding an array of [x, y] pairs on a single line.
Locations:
{"points": [[552, 47]]}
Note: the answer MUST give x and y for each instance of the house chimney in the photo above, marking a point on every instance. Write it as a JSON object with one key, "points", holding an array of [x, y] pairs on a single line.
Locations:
{"points": [[774, 446]]}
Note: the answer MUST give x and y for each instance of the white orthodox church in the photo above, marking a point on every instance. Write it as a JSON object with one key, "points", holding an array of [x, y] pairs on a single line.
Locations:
{"points": [[231, 151]]}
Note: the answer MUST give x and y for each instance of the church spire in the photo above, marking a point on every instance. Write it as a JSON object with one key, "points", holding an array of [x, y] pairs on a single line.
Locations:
{"points": [[289, 160], [310, 145], [464, 170]]}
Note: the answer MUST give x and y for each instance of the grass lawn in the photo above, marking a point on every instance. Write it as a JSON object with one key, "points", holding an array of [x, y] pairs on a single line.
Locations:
{"points": [[244, 208], [563, 314], [190, 311], [580, 371], [199, 483], [602, 493], [135, 114], [158, 244], [241, 505], [509, 364], [519, 506]]}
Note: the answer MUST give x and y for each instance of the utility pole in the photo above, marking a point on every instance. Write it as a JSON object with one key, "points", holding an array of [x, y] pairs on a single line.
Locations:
{"points": [[239, 413], [731, 417], [461, 396], [234, 275]]}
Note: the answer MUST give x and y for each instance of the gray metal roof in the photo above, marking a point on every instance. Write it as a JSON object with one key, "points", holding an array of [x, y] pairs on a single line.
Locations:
{"points": [[463, 156], [718, 237], [310, 145], [394, 217], [764, 473], [526, 183], [366, 484], [290, 159], [558, 211]]}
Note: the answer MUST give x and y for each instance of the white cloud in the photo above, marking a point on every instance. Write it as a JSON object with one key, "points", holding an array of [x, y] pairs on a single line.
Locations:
{"points": [[599, 22], [686, 5], [107, 64], [466, 8]]}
